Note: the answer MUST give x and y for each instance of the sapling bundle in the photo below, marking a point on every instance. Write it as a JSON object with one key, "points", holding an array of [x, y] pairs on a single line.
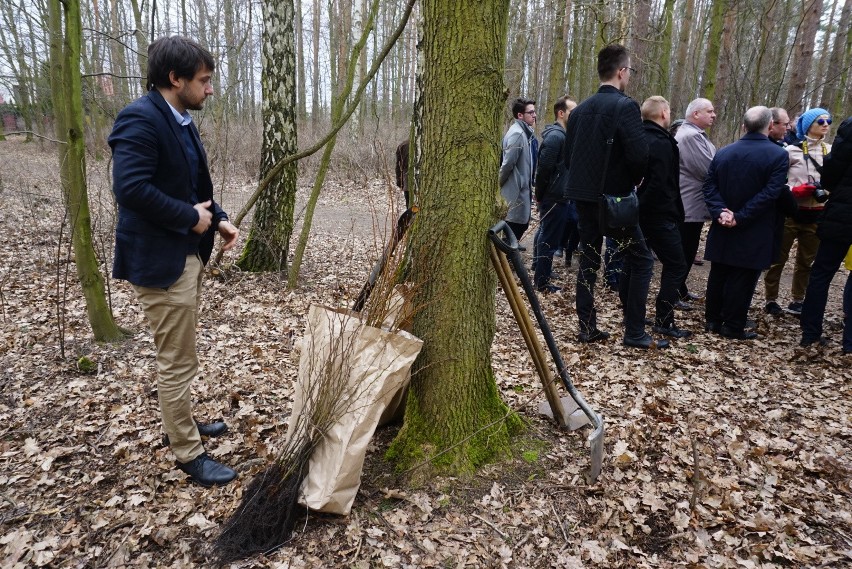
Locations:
{"points": [[350, 369]]}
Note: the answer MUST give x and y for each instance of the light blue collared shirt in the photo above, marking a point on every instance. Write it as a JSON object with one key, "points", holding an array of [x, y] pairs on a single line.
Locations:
{"points": [[182, 119]]}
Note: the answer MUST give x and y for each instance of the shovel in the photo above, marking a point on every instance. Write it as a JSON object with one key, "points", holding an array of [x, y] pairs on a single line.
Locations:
{"points": [[508, 246]]}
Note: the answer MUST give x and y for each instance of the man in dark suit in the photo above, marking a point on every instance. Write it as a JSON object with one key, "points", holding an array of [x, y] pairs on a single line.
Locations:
{"points": [[743, 184], [661, 212], [166, 223], [607, 129]]}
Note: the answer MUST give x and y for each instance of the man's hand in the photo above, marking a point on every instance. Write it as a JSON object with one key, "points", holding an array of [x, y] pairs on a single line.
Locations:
{"points": [[726, 218], [205, 218], [229, 233]]}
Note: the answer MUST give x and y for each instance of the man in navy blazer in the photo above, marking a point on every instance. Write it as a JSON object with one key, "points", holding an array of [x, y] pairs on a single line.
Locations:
{"points": [[741, 189], [167, 220]]}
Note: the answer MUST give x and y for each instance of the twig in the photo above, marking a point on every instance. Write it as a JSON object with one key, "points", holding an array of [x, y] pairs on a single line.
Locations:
{"points": [[558, 519], [495, 528], [35, 134], [114, 551], [696, 474]]}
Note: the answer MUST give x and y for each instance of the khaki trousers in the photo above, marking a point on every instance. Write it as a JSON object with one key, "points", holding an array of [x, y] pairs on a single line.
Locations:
{"points": [[173, 315], [808, 243]]}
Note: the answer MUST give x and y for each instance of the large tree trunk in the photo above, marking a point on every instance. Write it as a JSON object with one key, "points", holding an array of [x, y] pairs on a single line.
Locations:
{"points": [[832, 94], [803, 56], [714, 48], [454, 417], [682, 92], [272, 225], [68, 103]]}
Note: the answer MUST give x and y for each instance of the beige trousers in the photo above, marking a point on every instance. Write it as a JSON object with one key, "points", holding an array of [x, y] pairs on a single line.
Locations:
{"points": [[173, 315]]}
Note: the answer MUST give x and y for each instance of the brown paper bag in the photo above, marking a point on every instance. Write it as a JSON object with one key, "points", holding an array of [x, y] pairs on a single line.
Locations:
{"points": [[354, 371]]}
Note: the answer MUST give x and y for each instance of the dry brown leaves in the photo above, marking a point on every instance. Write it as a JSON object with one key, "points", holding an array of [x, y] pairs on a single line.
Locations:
{"points": [[719, 453]]}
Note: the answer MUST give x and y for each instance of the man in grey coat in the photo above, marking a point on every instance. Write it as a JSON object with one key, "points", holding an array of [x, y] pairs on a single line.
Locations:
{"points": [[517, 166], [696, 152]]}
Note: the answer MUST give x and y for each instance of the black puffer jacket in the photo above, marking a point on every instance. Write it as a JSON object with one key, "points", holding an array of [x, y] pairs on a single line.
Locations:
{"points": [[550, 177], [659, 194], [836, 221], [589, 127]]}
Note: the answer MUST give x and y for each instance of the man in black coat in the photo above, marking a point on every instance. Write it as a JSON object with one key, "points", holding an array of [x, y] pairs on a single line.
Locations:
{"points": [[167, 220], [607, 154], [742, 187], [661, 211], [835, 233], [551, 179]]}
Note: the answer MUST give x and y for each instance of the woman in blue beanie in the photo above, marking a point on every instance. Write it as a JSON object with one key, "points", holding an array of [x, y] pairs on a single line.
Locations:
{"points": [[806, 159]]}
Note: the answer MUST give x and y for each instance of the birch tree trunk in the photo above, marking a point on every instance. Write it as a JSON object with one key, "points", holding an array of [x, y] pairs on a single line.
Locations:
{"points": [[268, 241]]}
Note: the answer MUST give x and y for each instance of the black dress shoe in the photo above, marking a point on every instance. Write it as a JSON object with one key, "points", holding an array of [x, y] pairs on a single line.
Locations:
{"points": [[750, 324], [681, 305], [549, 289], [593, 336], [672, 331], [822, 341], [646, 342], [691, 296], [207, 472], [734, 334], [713, 327], [214, 429]]}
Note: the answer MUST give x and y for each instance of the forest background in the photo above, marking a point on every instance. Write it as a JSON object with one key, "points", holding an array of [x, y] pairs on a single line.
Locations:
{"points": [[790, 53]]}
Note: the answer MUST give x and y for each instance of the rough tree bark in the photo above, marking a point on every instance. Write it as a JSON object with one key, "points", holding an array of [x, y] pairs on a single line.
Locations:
{"points": [[454, 416], [268, 241], [803, 56]]}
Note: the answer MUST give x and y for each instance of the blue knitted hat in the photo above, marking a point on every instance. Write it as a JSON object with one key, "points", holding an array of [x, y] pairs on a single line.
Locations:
{"points": [[803, 125]]}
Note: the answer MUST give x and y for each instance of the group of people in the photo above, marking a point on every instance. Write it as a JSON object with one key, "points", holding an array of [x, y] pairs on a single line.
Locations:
{"points": [[780, 183]]}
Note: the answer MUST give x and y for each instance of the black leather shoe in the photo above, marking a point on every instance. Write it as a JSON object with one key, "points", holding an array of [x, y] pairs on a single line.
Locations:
{"points": [[750, 324], [822, 341], [549, 289], [214, 429], [691, 296], [713, 327], [672, 331], [681, 305], [733, 334], [593, 336], [207, 472], [646, 342]]}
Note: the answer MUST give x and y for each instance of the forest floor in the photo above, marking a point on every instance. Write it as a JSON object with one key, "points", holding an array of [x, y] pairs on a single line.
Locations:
{"points": [[718, 453]]}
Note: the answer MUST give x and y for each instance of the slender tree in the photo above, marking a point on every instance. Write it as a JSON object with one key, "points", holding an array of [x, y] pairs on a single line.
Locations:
{"points": [[454, 417], [66, 82]]}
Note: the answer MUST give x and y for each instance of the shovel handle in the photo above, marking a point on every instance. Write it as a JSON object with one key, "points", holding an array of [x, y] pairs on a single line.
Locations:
{"points": [[508, 243]]}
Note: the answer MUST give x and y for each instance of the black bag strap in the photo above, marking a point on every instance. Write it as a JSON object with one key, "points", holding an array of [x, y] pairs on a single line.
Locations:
{"points": [[610, 142]]}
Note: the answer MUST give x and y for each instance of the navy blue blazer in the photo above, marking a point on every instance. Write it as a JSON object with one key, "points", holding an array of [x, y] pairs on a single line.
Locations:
{"points": [[745, 177], [153, 189]]}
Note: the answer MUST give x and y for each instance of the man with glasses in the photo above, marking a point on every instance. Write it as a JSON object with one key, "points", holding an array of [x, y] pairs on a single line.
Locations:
{"points": [[607, 154], [779, 125], [516, 168]]}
